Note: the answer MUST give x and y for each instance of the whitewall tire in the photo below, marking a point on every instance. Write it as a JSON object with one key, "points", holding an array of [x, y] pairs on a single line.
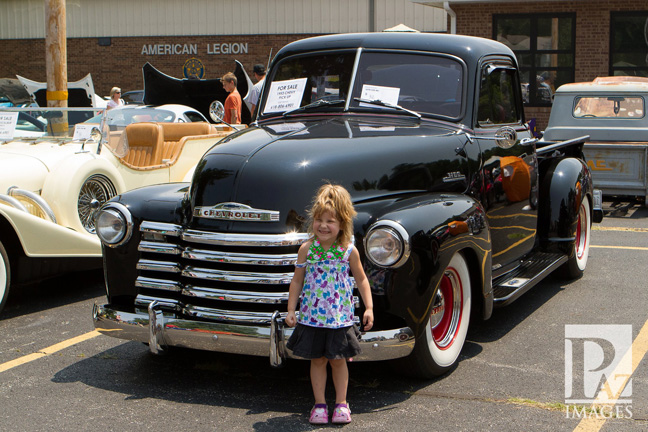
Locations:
{"points": [[5, 276], [437, 349]]}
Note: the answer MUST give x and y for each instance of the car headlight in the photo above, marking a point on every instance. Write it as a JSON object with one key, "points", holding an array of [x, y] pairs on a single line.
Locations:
{"points": [[114, 224], [387, 244]]}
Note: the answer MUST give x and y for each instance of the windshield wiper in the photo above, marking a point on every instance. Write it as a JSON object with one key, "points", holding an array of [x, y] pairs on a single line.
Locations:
{"points": [[318, 103], [387, 105]]}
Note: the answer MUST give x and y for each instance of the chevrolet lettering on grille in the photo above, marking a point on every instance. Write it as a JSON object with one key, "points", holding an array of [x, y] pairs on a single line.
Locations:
{"points": [[236, 212]]}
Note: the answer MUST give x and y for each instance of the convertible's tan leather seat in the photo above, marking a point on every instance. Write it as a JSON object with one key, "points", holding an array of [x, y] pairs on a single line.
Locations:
{"points": [[145, 143], [175, 136]]}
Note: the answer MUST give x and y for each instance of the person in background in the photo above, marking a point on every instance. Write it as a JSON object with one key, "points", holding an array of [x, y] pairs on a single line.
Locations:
{"points": [[233, 103], [259, 74], [115, 98]]}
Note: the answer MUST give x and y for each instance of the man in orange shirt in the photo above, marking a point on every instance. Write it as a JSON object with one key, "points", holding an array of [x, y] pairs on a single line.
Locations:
{"points": [[233, 103]]}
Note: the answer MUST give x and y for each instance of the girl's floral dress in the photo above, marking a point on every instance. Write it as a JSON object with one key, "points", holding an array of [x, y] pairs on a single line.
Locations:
{"points": [[327, 295]]}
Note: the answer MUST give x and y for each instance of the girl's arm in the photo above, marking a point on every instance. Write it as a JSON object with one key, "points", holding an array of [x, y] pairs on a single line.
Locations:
{"points": [[363, 286], [296, 285]]}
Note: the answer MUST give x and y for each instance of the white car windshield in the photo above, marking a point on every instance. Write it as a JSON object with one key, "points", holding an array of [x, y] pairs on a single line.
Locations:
{"points": [[122, 117]]}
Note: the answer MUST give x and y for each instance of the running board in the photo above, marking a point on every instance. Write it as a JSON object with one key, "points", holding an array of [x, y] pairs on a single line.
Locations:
{"points": [[532, 270]]}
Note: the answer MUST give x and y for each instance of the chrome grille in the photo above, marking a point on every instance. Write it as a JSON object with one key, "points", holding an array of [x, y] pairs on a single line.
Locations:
{"points": [[216, 276]]}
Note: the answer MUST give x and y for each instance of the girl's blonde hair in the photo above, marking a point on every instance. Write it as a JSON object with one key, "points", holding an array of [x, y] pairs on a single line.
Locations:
{"points": [[334, 199], [114, 90]]}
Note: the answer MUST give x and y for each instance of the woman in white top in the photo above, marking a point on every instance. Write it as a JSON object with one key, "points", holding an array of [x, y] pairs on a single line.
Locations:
{"points": [[115, 100]]}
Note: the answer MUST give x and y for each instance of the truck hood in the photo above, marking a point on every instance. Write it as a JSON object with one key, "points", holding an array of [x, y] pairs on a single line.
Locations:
{"points": [[279, 167]]}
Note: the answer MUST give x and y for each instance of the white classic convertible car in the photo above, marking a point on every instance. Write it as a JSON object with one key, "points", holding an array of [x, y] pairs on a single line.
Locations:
{"points": [[53, 181]]}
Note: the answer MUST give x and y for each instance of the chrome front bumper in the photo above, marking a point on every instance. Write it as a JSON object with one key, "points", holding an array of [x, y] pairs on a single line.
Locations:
{"points": [[161, 329]]}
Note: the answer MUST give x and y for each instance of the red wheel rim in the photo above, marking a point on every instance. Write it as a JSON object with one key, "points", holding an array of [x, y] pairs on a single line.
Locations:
{"points": [[449, 305]]}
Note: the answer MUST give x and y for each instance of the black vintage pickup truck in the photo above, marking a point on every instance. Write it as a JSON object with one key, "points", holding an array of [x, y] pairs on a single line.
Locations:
{"points": [[459, 208]]}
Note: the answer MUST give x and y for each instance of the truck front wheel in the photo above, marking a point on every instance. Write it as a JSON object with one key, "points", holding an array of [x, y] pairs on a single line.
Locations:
{"points": [[438, 348], [5, 276]]}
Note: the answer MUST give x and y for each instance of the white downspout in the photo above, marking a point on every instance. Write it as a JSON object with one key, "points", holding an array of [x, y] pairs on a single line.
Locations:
{"points": [[453, 17]]}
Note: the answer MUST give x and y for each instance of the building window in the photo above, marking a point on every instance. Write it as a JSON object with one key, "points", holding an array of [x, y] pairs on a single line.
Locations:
{"points": [[544, 46], [629, 43]]}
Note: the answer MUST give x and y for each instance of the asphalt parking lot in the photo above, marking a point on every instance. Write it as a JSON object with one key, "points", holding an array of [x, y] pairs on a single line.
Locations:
{"points": [[56, 373]]}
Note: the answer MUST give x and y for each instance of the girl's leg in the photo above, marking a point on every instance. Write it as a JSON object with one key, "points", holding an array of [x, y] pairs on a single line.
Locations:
{"points": [[340, 374], [318, 379]]}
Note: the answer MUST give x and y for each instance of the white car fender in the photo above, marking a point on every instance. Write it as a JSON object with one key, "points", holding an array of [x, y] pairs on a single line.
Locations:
{"points": [[189, 175], [63, 184], [42, 238]]}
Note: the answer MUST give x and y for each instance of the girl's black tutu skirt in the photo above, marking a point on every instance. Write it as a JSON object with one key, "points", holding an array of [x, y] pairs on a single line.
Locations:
{"points": [[316, 342]]}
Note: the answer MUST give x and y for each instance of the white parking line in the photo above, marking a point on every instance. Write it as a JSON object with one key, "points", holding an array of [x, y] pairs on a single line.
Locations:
{"points": [[47, 351]]}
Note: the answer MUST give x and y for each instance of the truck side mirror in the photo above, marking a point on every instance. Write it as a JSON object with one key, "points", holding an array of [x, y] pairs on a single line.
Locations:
{"points": [[506, 137]]}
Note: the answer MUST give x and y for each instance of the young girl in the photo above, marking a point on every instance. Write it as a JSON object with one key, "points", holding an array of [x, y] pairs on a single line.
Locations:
{"points": [[325, 331]]}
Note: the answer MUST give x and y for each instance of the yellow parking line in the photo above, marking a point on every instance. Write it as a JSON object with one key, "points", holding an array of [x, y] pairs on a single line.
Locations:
{"points": [[620, 247], [600, 228], [47, 351], [637, 351]]}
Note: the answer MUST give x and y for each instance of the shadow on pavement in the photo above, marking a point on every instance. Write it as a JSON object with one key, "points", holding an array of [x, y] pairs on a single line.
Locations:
{"points": [[51, 293], [226, 380], [507, 318], [623, 207]]}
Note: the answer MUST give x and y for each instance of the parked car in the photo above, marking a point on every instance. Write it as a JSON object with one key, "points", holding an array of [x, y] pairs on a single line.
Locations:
{"points": [[12, 93], [160, 88], [51, 185], [80, 93], [612, 112], [459, 208], [30, 126], [134, 97], [170, 113]]}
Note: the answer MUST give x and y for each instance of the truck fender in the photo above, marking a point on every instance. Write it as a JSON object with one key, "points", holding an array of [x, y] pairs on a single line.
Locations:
{"points": [[438, 226], [566, 182], [63, 185]]}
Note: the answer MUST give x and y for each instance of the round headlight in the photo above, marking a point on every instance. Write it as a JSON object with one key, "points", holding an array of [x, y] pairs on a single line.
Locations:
{"points": [[113, 224], [386, 244]]}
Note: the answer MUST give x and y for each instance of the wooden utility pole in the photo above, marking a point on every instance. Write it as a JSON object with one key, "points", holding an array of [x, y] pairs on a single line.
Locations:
{"points": [[56, 60]]}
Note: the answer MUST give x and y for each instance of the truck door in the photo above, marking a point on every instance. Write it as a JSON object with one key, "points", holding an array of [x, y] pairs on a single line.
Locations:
{"points": [[510, 177]]}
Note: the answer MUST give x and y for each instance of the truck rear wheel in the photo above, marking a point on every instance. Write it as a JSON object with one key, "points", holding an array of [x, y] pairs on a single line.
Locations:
{"points": [[578, 250], [438, 348], [5, 276]]}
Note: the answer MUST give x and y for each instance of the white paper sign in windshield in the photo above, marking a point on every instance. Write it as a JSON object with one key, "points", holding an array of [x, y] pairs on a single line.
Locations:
{"points": [[384, 94], [82, 131], [8, 122], [285, 95]]}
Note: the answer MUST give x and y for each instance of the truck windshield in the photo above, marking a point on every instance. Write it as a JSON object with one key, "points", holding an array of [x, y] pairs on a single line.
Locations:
{"points": [[302, 80], [427, 84]]}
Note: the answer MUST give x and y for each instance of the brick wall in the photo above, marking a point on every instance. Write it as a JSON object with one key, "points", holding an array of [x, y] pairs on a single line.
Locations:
{"points": [[120, 63], [592, 32]]}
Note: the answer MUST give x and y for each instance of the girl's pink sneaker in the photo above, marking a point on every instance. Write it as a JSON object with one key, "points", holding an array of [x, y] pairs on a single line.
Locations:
{"points": [[341, 414], [319, 414]]}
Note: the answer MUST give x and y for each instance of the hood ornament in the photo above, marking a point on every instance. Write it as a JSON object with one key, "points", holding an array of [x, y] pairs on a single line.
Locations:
{"points": [[236, 212]]}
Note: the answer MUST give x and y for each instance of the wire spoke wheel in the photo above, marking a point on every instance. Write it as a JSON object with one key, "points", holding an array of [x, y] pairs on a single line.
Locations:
{"points": [[96, 190]]}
